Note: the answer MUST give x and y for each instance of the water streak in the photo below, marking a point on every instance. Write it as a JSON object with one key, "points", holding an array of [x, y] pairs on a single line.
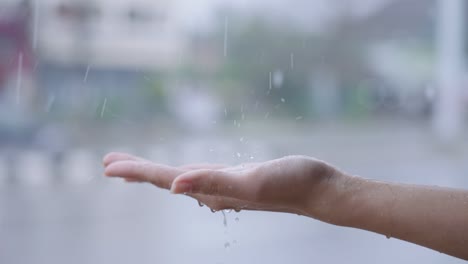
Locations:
{"points": [[19, 77]]}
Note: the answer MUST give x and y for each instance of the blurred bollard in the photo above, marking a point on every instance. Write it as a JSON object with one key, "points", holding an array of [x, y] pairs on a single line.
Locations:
{"points": [[34, 168], [79, 167], [448, 114]]}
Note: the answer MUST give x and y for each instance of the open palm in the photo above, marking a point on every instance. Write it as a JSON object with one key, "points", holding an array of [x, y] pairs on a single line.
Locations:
{"points": [[290, 184]]}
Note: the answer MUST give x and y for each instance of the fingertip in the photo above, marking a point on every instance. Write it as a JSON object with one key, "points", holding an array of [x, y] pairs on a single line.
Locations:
{"points": [[108, 171], [180, 187], [112, 157], [108, 158], [119, 168], [129, 180]]}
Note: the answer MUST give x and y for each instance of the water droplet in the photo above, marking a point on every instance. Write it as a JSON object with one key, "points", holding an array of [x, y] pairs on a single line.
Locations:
{"points": [[241, 139], [270, 84], [388, 236], [19, 77], [227, 211], [103, 109], [50, 102], [283, 100], [299, 118], [224, 218], [212, 210], [35, 24], [227, 245], [237, 210], [85, 79], [200, 204], [237, 219], [238, 155], [278, 79], [226, 25]]}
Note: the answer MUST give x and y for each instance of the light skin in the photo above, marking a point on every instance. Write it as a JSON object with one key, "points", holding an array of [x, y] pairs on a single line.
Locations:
{"points": [[429, 216]]}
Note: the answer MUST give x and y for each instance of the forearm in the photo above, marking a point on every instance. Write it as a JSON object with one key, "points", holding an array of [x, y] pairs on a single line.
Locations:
{"points": [[430, 216]]}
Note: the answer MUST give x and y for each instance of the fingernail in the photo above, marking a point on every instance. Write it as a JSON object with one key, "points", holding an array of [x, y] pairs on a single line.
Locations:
{"points": [[181, 187]]}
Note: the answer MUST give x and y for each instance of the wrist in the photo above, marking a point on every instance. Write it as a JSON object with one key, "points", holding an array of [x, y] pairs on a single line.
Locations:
{"points": [[337, 196]]}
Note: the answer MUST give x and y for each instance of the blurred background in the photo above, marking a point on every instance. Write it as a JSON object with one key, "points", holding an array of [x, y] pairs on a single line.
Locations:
{"points": [[376, 87]]}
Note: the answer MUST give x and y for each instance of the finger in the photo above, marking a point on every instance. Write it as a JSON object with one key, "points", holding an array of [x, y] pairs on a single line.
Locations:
{"points": [[200, 166], [129, 180], [218, 203], [214, 182], [118, 156], [157, 174]]}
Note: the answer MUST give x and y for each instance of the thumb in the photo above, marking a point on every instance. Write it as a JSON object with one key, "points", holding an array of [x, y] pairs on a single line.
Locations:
{"points": [[213, 182]]}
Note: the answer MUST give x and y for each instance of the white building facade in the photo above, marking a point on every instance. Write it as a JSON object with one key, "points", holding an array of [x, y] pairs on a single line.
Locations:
{"points": [[141, 34]]}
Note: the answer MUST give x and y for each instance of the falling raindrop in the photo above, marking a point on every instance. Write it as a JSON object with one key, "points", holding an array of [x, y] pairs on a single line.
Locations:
{"points": [[227, 245], [241, 139], [224, 218], [283, 100], [35, 24], [103, 109], [238, 155], [50, 102], [299, 117], [19, 77], [237, 219], [85, 79], [226, 25], [278, 79], [270, 85]]}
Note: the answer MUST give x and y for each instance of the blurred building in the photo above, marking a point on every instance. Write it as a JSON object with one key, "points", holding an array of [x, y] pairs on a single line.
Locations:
{"points": [[139, 34]]}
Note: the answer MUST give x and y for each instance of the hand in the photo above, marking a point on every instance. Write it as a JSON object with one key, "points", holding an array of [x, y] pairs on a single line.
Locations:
{"points": [[293, 184]]}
